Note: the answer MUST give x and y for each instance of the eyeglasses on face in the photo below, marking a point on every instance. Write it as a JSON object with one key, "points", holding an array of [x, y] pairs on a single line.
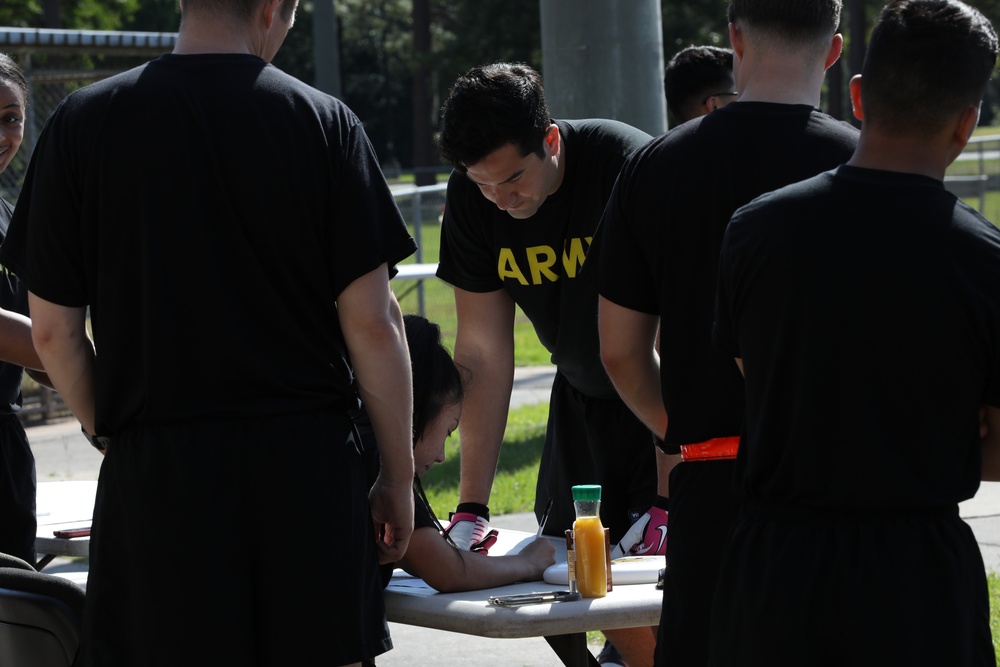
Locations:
{"points": [[724, 94]]}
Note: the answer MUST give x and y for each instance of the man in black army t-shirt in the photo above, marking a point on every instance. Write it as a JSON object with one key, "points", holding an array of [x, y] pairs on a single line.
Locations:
{"points": [[657, 254], [523, 203]]}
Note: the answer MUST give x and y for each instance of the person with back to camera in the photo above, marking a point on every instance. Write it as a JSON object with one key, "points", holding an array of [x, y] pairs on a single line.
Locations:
{"points": [[863, 308], [656, 256], [17, 463], [522, 205], [437, 407], [698, 80], [232, 235]]}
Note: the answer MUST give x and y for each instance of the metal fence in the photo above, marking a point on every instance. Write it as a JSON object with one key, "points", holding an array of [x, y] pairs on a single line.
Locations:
{"points": [[57, 62], [422, 208], [975, 175]]}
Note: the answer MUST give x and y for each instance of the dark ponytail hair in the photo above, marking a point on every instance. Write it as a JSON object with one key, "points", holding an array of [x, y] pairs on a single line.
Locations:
{"points": [[436, 379], [11, 72], [437, 382]]}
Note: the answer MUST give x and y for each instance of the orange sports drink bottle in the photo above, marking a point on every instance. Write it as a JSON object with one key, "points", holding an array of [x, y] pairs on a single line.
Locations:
{"points": [[591, 556]]}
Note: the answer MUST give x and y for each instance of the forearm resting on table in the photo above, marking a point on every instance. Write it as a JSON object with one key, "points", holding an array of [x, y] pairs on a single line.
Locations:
{"points": [[67, 353], [451, 570]]}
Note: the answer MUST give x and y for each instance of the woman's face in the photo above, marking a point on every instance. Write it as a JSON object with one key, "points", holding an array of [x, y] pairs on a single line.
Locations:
{"points": [[12, 106], [429, 449]]}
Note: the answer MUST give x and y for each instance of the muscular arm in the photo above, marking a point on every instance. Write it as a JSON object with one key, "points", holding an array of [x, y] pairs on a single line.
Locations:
{"points": [[450, 570], [64, 348], [628, 340], [484, 344], [991, 445], [373, 329]]}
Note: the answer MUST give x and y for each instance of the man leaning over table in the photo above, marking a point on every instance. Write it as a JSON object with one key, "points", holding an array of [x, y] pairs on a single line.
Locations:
{"points": [[522, 205], [232, 235]]}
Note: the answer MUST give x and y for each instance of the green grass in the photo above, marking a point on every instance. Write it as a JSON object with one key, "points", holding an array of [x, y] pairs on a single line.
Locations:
{"points": [[439, 300], [993, 580], [517, 470]]}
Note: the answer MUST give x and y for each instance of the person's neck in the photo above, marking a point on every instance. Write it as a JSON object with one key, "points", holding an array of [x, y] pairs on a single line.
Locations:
{"points": [[903, 154], [781, 80], [212, 35]]}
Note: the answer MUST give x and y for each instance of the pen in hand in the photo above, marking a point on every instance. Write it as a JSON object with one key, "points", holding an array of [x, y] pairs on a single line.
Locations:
{"points": [[545, 517]]}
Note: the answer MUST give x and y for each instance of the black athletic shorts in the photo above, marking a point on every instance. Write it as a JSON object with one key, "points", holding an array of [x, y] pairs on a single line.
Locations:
{"points": [[234, 542], [806, 586], [702, 512], [17, 491], [594, 441]]}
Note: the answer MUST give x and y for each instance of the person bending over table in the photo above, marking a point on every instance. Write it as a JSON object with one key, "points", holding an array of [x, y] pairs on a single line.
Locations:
{"points": [[437, 407]]}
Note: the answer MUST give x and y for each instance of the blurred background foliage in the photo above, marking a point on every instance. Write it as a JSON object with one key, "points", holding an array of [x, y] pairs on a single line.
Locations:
{"points": [[393, 52]]}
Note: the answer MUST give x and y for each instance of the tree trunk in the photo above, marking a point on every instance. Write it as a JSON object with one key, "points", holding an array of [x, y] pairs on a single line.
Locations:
{"points": [[326, 48]]}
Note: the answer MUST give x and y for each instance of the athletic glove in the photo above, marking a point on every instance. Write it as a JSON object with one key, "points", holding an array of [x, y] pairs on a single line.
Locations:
{"points": [[646, 537], [469, 526]]}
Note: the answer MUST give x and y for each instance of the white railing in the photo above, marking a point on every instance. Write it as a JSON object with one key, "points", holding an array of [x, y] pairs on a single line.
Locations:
{"points": [[413, 211]]}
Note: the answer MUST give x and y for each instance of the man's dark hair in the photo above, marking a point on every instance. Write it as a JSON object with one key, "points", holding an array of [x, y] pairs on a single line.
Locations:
{"points": [[693, 74], [492, 106], [240, 9], [926, 61], [795, 21]]}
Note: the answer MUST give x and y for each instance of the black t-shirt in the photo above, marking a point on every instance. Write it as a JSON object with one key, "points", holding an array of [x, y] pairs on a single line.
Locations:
{"points": [[13, 297], [209, 209], [538, 260], [657, 251], [866, 308]]}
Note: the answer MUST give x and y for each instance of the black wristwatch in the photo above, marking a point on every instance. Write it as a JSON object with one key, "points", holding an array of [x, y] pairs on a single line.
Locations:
{"points": [[99, 442], [664, 447]]}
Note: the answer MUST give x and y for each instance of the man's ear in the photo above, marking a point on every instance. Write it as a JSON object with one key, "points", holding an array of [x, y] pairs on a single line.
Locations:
{"points": [[736, 40], [268, 11], [966, 124], [836, 48], [551, 140], [855, 87]]}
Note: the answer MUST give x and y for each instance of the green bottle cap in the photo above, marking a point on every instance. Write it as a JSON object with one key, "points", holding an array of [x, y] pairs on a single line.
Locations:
{"points": [[587, 492]]}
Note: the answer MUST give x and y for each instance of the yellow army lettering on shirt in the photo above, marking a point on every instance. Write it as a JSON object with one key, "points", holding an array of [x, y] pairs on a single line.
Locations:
{"points": [[539, 263]]}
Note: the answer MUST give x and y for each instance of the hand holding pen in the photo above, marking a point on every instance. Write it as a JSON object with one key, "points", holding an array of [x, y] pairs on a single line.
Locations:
{"points": [[545, 517]]}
